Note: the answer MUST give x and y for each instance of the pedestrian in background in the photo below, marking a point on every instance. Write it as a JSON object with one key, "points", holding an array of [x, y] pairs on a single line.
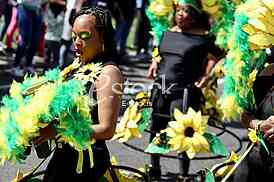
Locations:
{"points": [[30, 20], [54, 22]]}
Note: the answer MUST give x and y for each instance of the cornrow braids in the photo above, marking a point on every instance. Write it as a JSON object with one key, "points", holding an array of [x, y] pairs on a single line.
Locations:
{"points": [[99, 13], [103, 24]]}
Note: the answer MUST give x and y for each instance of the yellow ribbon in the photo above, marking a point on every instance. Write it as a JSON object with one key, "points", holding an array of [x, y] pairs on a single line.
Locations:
{"points": [[79, 168], [90, 152], [238, 163]]}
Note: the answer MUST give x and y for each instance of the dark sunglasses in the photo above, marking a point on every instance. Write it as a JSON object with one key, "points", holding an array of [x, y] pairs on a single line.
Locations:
{"points": [[82, 35]]}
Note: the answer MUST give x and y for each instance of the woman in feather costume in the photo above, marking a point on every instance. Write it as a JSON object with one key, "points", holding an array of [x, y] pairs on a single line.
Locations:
{"points": [[92, 34]]}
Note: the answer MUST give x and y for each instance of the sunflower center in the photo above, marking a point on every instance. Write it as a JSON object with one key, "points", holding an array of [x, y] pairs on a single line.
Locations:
{"points": [[87, 72], [189, 132]]}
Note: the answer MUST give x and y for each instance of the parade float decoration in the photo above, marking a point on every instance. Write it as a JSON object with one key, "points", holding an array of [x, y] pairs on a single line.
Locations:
{"points": [[38, 101], [188, 133], [135, 119]]}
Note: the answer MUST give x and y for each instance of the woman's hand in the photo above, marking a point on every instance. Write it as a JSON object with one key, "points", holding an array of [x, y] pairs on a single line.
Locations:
{"points": [[202, 82], [152, 71], [267, 127]]}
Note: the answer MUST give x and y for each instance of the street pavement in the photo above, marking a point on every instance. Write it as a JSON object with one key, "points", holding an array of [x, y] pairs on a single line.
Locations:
{"points": [[134, 70]]}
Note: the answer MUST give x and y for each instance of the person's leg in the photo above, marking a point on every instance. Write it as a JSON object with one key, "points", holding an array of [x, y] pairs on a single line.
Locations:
{"points": [[55, 52], [146, 34], [118, 33], [138, 37], [36, 36], [64, 50], [7, 15], [48, 51], [41, 45], [25, 31], [11, 29], [125, 27], [159, 119]]}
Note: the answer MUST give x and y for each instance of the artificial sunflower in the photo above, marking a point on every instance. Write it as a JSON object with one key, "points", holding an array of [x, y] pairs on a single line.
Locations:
{"points": [[89, 72], [135, 119], [128, 126], [75, 64], [186, 133]]}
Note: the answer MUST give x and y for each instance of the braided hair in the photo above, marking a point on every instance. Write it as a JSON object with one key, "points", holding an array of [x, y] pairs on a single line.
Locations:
{"points": [[104, 25]]}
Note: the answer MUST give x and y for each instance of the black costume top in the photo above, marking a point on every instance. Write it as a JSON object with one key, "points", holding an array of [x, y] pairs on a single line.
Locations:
{"points": [[63, 164], [183, 58]]}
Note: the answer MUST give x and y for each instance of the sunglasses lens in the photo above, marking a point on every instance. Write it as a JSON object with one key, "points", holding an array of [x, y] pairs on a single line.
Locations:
{"points": [[82, 35], [85, 35]]}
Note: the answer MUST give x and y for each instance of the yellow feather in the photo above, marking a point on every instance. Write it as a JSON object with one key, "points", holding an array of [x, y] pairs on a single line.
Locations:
{"points": [[250, 29], [262, 39], [209, 2], [269, 4], [161, 7], [262, 24]]}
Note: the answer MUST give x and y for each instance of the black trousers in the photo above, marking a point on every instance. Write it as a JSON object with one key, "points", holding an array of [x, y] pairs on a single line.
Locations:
{"points": [[164, 104], [52, 54], [163, 107]]}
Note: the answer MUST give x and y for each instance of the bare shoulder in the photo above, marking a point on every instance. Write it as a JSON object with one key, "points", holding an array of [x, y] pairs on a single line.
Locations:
{"points": [[111, 69], [110, 74]]}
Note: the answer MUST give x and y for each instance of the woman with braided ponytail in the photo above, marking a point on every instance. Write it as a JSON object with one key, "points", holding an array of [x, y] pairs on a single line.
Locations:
{"points": [[92, 34]]}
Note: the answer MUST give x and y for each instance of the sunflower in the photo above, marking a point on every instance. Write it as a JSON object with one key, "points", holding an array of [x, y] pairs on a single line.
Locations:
{"points": [[89, 72], [76, 64], [186, 133], [128, 126]]}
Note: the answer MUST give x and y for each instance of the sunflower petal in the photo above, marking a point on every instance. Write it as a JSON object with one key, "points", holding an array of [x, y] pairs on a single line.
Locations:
{"points": [[191, 153]]}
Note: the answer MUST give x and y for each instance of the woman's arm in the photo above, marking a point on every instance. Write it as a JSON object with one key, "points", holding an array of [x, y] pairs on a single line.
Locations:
{"points": [[109, 92], [211, 61], [248, 120]]}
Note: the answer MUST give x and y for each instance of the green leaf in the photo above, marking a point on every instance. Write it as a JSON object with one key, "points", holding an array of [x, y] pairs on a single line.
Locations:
{"points": [[155, 149], [146, 113], [261, 140], [209, 177], [215, 144]]}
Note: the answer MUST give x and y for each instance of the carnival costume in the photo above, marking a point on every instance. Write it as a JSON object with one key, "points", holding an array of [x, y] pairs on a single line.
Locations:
{"points": [[69, 99], [242, 28], [181, 58], [65, 158]]}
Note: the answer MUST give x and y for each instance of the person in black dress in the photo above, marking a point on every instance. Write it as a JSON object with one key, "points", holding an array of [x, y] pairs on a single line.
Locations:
{"points": [[92, 36], [186, 62]]}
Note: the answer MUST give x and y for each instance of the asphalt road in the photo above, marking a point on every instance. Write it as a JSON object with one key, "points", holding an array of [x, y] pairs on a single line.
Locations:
{"points": [[134, 71]]}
